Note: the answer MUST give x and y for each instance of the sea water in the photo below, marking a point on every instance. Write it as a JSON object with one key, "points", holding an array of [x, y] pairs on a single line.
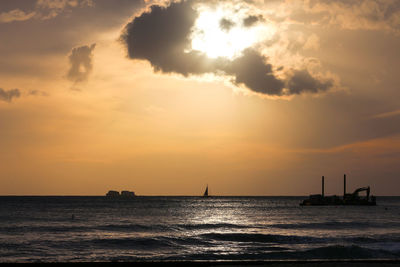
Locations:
{"points": [[64, 229]]}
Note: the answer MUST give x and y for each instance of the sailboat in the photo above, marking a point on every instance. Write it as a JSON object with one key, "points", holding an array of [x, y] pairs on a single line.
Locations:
{"points": [[206, 192]]}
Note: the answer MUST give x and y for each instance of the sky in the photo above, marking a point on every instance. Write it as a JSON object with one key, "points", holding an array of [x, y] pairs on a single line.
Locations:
{"points": [[165, 97]]}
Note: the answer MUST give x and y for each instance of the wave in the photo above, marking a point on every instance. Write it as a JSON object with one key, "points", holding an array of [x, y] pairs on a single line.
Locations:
{"points": [[132, 227], [347, 252], [262, 238], [173, 227], [211, 232], [334, 225], [394, 237], [149, 243], [212, 226], [204, 247], [332, 252], [126, 227], [137, 243], [294, 239], [43, 228]]}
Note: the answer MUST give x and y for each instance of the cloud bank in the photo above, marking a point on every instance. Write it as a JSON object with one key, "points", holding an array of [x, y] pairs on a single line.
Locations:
{"points": [[15, 15], [9, 95], [162, 36], [44, 9], [81, 64], [352, 15]]}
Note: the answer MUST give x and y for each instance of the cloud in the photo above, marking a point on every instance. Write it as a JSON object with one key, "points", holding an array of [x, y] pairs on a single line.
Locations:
{"points": [[387, 114], [37, 93], [44, 9], [15, 15], [226, 24], [353, 15], [80, 63], [302, 81], [51, 8], [61, 4], [162, 36], [312, 42], [251, 20], [252, 70], [9, 95]]}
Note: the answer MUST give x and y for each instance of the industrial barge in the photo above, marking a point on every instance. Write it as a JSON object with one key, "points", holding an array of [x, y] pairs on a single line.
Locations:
{"points": [[347, 199]]}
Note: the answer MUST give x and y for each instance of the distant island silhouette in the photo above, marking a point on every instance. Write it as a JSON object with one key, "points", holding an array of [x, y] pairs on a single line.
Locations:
{"points": [[123, 195]]}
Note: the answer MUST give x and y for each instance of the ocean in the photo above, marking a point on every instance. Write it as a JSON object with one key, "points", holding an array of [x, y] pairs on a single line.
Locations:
{"points": [[70, 229]]}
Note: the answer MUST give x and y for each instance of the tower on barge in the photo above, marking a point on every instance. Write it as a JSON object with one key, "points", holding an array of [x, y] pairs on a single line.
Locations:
{"points": [[347, 199]]}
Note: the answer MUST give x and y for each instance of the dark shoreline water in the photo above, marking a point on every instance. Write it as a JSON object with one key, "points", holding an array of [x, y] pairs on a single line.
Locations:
{"points": [[150, 228], [281, 263]]}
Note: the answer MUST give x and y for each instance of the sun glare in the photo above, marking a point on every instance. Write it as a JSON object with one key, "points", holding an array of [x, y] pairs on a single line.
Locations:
{"points": [[217, 41]]}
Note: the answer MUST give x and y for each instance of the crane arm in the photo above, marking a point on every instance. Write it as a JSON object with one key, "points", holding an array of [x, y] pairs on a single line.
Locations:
{"points": [[362, 189]]}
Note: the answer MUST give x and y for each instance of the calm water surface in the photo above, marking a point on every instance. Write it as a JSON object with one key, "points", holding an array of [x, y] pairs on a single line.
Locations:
{"points": [[193, 228]]}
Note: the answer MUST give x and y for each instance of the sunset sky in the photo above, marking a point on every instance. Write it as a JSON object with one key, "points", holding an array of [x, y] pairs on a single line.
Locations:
{"points": [[162, 98]]}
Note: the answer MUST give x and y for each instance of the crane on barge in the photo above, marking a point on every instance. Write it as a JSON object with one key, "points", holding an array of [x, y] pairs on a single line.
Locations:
{"points": [[348, 199]]}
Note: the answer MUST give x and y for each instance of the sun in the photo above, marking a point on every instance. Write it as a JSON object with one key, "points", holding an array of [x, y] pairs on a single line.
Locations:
{"points": [[220, 32]]}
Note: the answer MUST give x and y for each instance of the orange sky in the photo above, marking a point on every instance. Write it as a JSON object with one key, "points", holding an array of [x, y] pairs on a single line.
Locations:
{"points": [[313, 92]]}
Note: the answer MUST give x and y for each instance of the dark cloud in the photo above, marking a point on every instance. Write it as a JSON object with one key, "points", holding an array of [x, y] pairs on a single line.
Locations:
{"points": [[81, 63], [38, 93], [226, 24], [302, 81], [251, 20], [252, 70], [162, 37], [8, 95]]}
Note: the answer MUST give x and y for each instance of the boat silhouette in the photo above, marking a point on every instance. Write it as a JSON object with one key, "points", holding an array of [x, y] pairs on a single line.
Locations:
{"points": [[206, 192]]}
